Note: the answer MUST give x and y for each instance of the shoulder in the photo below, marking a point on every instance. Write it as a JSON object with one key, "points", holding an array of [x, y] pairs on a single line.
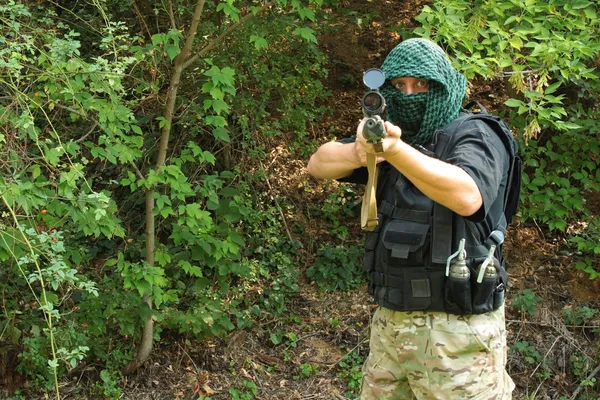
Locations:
{"points": [[473, 130]]}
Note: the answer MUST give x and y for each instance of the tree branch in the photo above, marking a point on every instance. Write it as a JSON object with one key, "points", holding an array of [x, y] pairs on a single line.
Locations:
{"points": [[172, 16], [222, 36]]}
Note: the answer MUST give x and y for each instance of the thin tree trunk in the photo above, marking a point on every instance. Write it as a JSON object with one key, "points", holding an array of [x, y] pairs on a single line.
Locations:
{"points": [[181, 63], [145, 346]]}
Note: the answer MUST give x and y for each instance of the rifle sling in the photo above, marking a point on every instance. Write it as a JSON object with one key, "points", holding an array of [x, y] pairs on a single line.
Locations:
{"points": [[368, 212]]}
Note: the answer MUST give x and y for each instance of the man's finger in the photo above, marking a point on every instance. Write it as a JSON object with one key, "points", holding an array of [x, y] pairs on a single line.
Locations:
{"points": [[392, 130], [360, 127]]}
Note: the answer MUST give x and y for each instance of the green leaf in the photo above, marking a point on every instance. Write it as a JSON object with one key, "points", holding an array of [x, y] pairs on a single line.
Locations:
{"points": [[306, 13], [220, 106], [35, 171], [539, 181], [590, 13], [172, 51], [514, 103], [516, 42], [579, 4], [221, 133], [216, 93], [570, 125], [306, 34], [259, 42], [166, 211], [552, 88], [158, 38]]}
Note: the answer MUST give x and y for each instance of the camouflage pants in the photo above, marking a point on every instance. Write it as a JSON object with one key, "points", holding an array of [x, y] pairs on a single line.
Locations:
{"points": [[433, 355]]}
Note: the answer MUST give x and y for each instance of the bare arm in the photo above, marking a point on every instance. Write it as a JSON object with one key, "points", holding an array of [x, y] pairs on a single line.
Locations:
{"points": [[334, 160]]}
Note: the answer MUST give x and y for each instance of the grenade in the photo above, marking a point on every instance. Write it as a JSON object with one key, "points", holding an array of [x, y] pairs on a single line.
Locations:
{"points": [[487, 269], [490, 271], [458, 269], [457, 290]]}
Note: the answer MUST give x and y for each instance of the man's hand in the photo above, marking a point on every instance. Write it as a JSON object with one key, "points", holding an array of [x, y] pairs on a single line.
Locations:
{"points": [[389, 142]]}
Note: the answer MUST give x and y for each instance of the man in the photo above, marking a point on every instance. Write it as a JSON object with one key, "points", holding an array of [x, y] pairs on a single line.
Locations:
{"points": [[435, 335]]}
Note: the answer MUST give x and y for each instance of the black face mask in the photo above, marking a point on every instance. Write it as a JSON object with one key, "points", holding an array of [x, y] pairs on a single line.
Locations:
{"points": [[406, 110]]}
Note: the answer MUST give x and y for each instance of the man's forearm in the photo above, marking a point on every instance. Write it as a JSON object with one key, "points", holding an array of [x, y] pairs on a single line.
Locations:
{"points": [[333, 160], [443, 183]]}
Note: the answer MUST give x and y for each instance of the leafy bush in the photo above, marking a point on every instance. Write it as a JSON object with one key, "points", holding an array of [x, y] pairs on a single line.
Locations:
{"points": [[528, 351], [84, 134], [526, 301], [351, 373], [579, 315], [342, 203], [337, 268], [587, 241]]}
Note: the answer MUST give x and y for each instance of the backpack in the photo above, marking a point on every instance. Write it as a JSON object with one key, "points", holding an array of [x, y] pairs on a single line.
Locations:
{"points": [[513, 187]]}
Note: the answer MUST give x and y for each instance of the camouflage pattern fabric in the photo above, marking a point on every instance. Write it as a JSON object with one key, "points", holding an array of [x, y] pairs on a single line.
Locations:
{"points": [[434, 355]]}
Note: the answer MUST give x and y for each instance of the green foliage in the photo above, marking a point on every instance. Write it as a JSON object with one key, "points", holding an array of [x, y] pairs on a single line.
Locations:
{"points": [[283, 100], [337, 268], [82, 106], [526, 301], [561, 172], [248, 392], [109, 387], [579, 315], [351, 373], [279, 336], [341, 205], [587, 241], [530, 355], [334, 322], [307, 370], [582, 365]]}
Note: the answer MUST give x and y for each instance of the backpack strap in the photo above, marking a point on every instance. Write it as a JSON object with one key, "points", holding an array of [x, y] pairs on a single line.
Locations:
{"points": [[473, 103]]}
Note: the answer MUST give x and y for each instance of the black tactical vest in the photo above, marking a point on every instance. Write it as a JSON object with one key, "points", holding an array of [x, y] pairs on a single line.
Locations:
{"points": [[406, 255]]}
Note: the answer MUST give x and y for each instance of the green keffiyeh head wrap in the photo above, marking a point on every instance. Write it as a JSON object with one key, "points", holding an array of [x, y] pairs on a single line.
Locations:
{"points": [[421, 114]]}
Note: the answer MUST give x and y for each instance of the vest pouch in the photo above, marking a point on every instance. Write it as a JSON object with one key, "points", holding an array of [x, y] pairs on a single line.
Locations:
{"points": [[457, 295], [371, 239], [483, 293], [498, 296], [405, 242], [417, 289]]}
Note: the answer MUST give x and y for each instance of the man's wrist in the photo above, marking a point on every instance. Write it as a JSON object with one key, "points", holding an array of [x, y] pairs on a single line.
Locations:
{"points": [[393, 149], [354, 158]]}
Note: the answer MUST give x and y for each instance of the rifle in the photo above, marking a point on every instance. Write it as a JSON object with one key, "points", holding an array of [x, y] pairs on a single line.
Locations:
{"points": [[373, 107]]}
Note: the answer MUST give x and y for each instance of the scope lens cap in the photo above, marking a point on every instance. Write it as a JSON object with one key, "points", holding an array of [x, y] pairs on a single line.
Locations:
{"points": [[373, 78]]}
